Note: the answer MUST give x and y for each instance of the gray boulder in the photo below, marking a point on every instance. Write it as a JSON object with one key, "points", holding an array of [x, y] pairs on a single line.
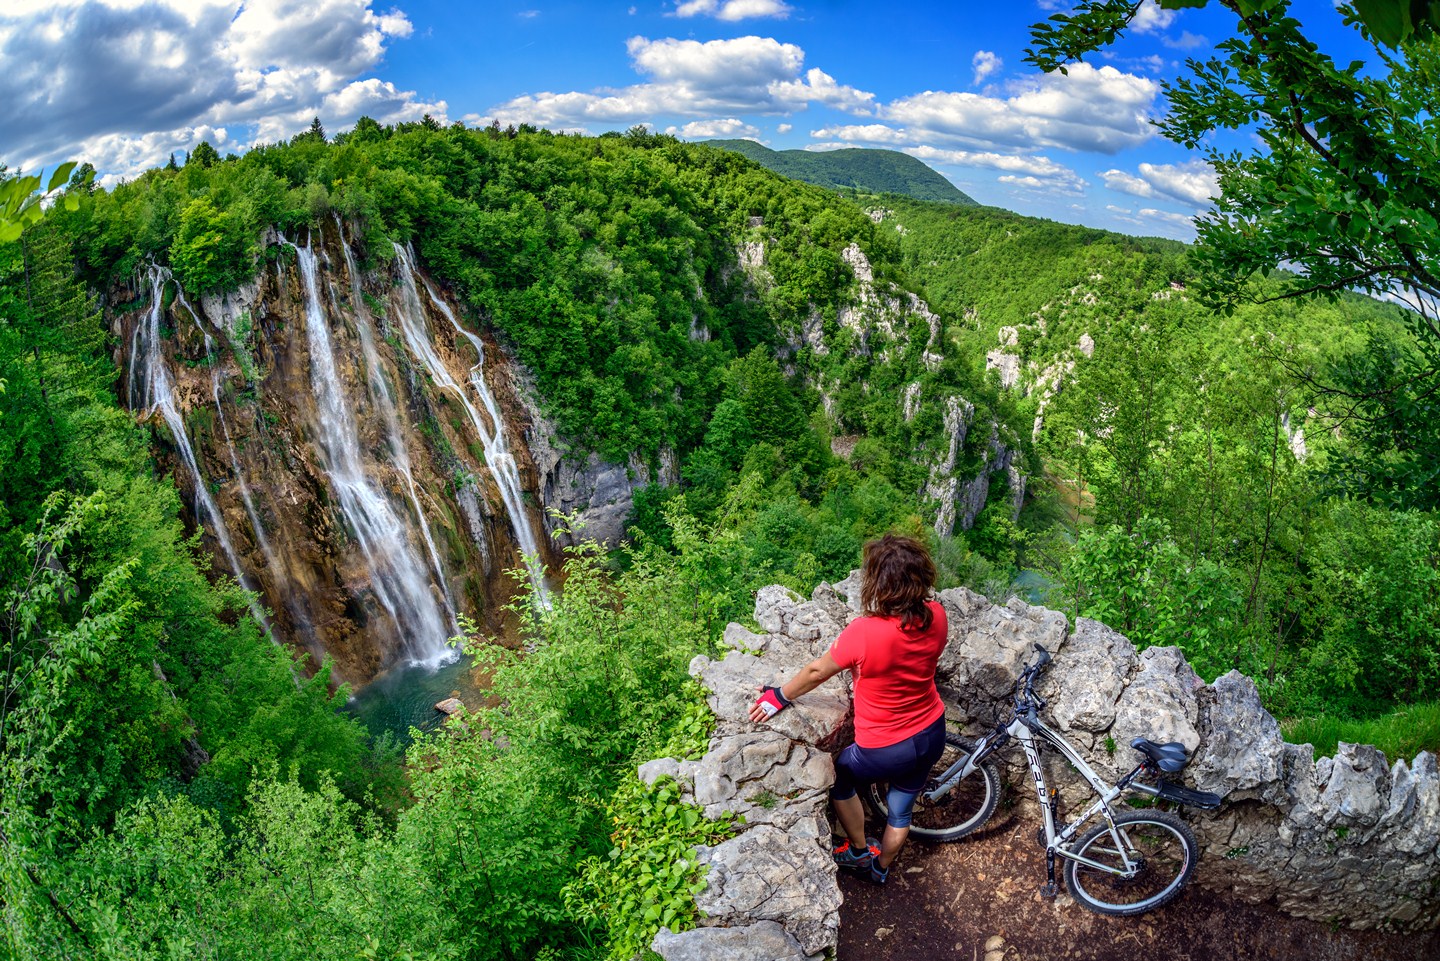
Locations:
{"points": [[766, 874], [761, 941]]}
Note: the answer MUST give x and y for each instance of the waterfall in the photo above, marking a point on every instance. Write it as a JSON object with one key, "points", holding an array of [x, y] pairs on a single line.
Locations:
{"points": [[397, 577], [382, 398], [492, 438], [153, 391]]}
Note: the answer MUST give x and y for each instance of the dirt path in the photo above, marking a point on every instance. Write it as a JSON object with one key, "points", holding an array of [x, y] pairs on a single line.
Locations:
{"points": [[978, 900]]}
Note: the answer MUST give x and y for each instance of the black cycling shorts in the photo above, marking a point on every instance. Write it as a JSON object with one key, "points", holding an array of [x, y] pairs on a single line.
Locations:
{"points": [[905, 765]]}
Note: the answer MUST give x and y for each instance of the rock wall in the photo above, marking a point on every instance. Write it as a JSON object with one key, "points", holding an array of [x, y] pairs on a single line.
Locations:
{"points": [[598, 494], [1350, 839]]}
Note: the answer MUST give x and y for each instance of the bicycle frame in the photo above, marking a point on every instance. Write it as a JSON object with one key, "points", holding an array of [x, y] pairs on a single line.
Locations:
{"points": [[1030, 731]]}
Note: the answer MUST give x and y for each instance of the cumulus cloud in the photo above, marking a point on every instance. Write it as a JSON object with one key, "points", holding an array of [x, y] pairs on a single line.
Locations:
{"points": [[985, 63], [819, 87], [1059, 176], [1150, 18], [1098, 110], [1190, 182], [122, 84], [1101, 110], [733, 10], [729, 128], [1150, 219], [691, 78], [1186, 41]]}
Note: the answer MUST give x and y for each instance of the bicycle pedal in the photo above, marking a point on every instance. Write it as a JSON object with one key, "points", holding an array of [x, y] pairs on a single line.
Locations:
{"points": [[1049, 890]]}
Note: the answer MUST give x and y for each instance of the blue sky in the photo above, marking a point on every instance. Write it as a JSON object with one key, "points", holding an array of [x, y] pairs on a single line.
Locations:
{"points": [[122, 83]]}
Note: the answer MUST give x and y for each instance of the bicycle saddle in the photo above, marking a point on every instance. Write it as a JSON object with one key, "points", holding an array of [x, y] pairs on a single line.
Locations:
{"points": [[1167, 757]]}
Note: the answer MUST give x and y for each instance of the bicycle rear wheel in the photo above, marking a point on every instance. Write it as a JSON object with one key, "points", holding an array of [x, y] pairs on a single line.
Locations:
{"points": [[1160, 845], [964, 809]]}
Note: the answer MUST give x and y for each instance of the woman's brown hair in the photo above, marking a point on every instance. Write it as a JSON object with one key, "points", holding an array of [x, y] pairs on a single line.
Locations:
{"points": [[895, 580]]}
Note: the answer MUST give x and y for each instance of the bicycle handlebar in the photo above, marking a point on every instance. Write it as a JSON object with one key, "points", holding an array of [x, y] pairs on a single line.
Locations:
{"points": [[1026, 700]]}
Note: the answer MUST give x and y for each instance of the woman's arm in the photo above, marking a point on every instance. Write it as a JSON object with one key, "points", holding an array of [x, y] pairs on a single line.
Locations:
{"points": [[806, 679]]}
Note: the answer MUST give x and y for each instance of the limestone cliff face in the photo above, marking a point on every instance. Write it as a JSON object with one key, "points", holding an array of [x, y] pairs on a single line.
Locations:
{"points": [[353, 447], [890, 326]]}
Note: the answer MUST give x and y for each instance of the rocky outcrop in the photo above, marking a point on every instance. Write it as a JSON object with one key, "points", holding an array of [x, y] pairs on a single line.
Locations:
{"points": [[1350, 839], [595, 495]]}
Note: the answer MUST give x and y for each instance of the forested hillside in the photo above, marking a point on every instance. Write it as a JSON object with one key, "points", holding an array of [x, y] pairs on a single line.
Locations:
{"points": [[856, 168], [1206, 466], [1041, 402]]}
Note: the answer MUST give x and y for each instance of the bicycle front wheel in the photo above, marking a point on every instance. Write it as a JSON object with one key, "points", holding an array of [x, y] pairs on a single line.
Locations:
{"points": [[967, 805], [1162, 850]]}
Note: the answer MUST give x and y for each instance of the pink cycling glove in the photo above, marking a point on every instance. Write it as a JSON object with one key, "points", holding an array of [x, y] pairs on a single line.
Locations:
{"points": [[772, 701]]}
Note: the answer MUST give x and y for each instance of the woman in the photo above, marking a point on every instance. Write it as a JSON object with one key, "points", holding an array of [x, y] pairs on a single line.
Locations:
{"points": [[891, 650]]}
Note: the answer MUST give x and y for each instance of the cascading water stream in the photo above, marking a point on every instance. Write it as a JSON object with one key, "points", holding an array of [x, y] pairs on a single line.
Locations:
{"points": [[398, 578], [267, 550], [497, 450], [380, 395], [156, 392]]}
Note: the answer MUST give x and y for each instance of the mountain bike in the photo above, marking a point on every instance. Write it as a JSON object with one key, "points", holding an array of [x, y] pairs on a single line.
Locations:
{"points": [[1132, 862]]}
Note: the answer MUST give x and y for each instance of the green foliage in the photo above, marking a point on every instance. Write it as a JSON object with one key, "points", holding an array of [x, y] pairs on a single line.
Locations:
{"points": [[1370, 600], [209, 253], [1144, 586], [1329, 198], [203, 155], [1402, 734], [21, 197], [650, 877]]}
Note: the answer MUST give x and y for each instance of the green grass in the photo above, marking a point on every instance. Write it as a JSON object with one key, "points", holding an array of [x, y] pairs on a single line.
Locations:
{"points": [[1403, 733]]}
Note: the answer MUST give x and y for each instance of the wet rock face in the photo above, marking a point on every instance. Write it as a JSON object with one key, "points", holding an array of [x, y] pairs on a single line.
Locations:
{"points": [[1351, 839], [598, 494], [294, 481]]}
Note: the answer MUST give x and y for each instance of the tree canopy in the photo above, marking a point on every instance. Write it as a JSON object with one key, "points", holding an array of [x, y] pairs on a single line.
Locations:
{"points": [[1341, 192]]}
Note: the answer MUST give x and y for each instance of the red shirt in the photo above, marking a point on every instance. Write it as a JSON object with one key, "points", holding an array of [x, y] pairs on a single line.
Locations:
{"points": [[895, 695]]}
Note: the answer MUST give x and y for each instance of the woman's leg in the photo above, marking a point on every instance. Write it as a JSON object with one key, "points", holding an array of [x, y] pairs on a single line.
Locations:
{"points": [[848, 809], [851, 815], [905, 788]]}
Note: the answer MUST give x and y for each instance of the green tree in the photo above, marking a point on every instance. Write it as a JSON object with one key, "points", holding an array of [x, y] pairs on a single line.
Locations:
{"points": [[315, 133], [1332, 194], [203, 155], [209, 250]]}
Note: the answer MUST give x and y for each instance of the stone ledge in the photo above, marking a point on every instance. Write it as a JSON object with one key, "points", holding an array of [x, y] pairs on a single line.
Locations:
{"points": [[1351, 838]]}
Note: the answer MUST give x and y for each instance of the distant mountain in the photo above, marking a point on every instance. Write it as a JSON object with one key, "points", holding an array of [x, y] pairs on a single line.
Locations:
{"points": [[873, 171]]}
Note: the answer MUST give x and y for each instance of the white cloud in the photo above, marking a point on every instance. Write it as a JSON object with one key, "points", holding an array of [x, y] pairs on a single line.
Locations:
{"points": [[743, 62], [1149, 18], [1101, 110], [1166, 217], [1190, 182], [819, 87], [1186, 41], [1034, 183], [784, 128], [733, 11], [1058, 175], [1150, 219], [690, 78], [985, 63], [729, 128], [123, 83]]}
